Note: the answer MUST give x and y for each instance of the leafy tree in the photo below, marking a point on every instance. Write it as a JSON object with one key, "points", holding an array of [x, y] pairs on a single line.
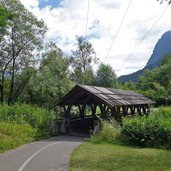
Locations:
{"points": [[81, 61], [18, 47], [129, 85], [156, 83], [106, 76], [54, 79], [5, 16]]}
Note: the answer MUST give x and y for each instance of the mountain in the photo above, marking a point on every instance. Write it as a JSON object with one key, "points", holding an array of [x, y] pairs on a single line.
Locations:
{"points": [[162, 47]]}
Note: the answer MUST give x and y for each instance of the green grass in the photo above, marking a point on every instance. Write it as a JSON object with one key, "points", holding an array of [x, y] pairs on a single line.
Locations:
{"points": [[34, 116], [14, 135], [108, 157], [23, 123]]}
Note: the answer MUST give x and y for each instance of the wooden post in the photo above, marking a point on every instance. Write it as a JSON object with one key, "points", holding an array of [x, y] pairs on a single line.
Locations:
{"points": [[125, 110], [82, 110], [119, 115], [145, 109], [114, 113], [104, 110], [66, 120], [139, 110], [93, 109], [148, 109], [132, 108]]}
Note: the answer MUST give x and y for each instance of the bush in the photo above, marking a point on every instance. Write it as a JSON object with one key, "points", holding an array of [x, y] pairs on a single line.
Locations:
{"points": [[13, 135], [110, 132], [152, 131], [22, 114]]}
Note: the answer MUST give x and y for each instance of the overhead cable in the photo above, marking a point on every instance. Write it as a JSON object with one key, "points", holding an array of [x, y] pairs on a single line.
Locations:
{"points": [[114, 38], [147, 33]]}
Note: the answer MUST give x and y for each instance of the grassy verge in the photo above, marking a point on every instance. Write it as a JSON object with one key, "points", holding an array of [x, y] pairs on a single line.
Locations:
{"points": [[22, 123], [108, 157], [14, 135]]}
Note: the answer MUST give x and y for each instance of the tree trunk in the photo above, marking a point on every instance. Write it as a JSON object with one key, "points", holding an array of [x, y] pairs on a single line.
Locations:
{"points": [[2, 93], [10, 99], [2, 88]]}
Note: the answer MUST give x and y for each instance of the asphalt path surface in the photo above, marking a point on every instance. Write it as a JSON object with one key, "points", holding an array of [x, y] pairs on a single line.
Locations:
{"points": [[46, 155]]}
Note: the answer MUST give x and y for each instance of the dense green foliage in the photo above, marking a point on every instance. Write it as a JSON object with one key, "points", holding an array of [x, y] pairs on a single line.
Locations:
{"points": [[54, 79], [36, 117], [106, 76], [13, 135], [156, 83], [152, 131], [109, 132], [22, 123], [111, 157], [81, 61], [19, 45], [5, 16]]}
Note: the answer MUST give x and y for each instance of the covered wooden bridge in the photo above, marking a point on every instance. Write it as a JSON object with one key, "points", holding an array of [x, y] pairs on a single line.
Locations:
{"points": [[84, 104]]}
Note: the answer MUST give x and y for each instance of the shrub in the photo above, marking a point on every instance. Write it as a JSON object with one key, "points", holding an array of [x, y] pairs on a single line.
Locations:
{"points": [[13, 135], [34, 116], [110, 132], [151, 131]]}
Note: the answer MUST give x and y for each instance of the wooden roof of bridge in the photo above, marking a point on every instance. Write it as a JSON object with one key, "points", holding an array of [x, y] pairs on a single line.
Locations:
{"points": [[84, 94]]}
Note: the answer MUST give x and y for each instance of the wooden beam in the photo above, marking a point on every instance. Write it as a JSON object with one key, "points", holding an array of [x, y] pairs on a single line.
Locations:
{"points": [[114, 113], [93, 109], [104, 110], [139, 110], [125, 110], [132, 108], [82, 110], [67, 110]]}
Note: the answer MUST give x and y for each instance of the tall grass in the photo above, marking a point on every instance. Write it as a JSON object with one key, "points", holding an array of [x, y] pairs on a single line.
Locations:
{"points": [[109, 132], [34, 116], [22, 123], [13, 135]]}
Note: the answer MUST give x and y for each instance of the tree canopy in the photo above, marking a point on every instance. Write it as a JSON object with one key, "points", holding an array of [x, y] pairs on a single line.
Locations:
{"points": [[106, 76], [35, 71], [23, 36], [5, 16], [82, 60], [156, 83]]}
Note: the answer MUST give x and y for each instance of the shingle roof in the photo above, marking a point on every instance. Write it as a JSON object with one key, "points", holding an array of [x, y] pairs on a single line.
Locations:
{"points": [[84, 94]]}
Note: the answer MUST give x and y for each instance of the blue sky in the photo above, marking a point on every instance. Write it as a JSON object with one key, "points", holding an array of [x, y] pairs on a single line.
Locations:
{"points": [[143, 22], [52, 3]]}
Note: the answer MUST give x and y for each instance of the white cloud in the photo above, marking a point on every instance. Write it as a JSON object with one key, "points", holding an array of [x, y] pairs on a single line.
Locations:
{"points": [[30, 4], [69, 20]]}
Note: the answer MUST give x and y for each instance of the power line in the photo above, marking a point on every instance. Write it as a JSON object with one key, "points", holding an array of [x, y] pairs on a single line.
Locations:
{"points": [[144, 37], [87, 17], [114, 39]]}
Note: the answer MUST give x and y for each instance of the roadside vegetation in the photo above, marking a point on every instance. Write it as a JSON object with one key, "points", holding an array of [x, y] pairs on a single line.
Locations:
{"points": [[12, 135], [142, 143], [144, 131], [151, 131], [111, 157], [22, 123]]}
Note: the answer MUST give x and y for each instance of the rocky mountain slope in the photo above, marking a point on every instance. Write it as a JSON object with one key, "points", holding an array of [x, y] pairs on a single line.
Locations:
{"points": [[162, 47]]}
